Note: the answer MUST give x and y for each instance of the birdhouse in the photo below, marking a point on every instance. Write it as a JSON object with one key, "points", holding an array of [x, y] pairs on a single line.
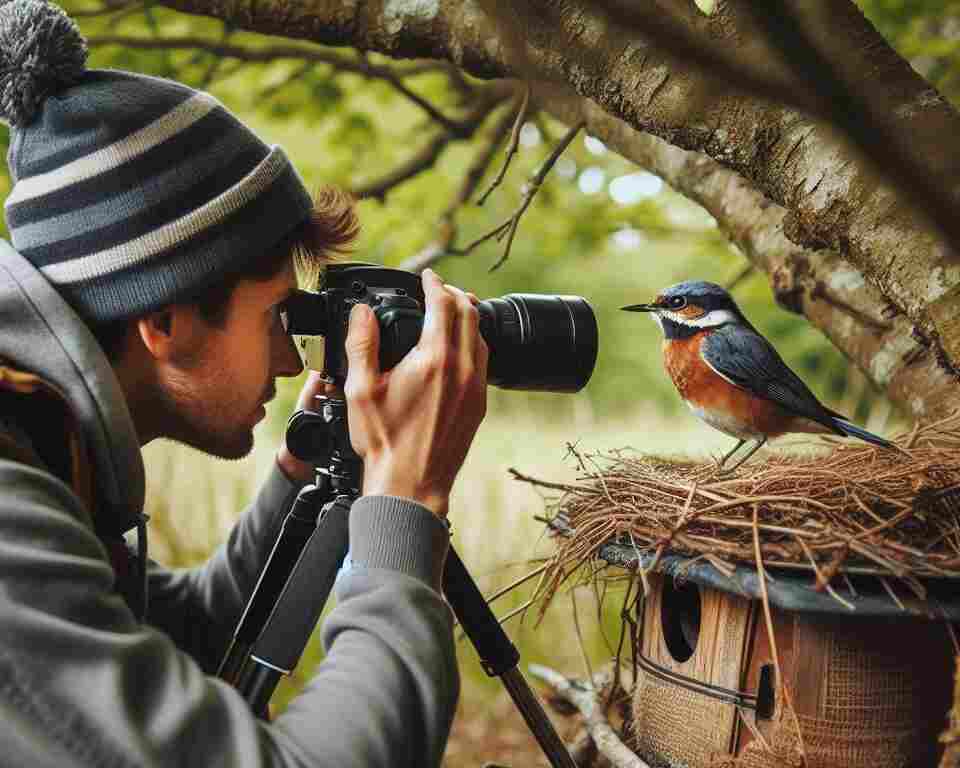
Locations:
{"points": [[798, 614], [869, 687]]}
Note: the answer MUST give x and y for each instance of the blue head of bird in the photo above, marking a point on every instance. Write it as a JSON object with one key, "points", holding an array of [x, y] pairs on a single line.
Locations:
{"points": [[691, 307]]}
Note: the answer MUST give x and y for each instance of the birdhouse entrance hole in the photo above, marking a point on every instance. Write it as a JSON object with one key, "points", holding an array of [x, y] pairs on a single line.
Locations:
{"points": [[680, 617]]}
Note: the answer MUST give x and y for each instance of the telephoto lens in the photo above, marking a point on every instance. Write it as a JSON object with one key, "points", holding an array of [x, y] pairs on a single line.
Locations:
{"points": [[539, 342]]}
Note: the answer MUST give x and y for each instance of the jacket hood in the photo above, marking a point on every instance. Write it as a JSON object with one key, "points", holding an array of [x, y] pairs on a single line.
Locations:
{"points": [[42, 334]]}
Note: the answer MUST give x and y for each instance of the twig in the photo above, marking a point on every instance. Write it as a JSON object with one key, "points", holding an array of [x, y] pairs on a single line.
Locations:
{"points": [[588, 671], [512, 146], [752, 727], [822, 579], [522, 580], [447, 224], [771, 637], [519, 609], [585, 697], [103, 10], [392, 75], [530, 189], [893, 595], [487, 100], [274, 88], [518, 475]]}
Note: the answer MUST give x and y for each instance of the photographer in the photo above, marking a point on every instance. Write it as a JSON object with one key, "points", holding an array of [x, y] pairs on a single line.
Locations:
{"points": [[153, 240]]}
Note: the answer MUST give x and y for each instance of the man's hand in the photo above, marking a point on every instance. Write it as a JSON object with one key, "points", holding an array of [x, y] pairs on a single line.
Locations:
{"points": [[413, 424]]}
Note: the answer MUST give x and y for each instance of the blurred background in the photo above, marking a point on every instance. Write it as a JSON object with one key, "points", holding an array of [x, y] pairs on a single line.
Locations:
{"points": [[599, 227]]}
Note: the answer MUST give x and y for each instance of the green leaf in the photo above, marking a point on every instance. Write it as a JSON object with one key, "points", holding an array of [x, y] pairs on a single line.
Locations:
{"points": [[706, 6]]}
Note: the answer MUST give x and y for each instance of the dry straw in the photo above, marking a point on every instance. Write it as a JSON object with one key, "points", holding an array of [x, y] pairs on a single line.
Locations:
{"points": [[853, 508]]}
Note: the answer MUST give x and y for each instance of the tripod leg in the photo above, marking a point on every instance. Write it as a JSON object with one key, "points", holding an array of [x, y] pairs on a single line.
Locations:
{"points": [[499, 656]]}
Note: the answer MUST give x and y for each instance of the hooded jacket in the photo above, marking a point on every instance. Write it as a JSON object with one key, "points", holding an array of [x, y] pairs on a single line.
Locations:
{"points": [[83, 682]]}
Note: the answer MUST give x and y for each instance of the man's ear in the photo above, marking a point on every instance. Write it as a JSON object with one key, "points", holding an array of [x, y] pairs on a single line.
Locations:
{"points": [[169, 333]]}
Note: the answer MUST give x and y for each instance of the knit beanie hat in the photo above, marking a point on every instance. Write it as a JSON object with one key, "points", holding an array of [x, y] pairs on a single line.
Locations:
{"points": [[129, 192]]}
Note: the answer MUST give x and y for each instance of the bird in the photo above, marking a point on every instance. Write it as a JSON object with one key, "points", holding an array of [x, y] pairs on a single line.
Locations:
{"points": [[731, 377]]}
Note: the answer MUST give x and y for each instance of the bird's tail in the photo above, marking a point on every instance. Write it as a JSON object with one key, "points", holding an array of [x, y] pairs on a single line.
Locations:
{"points": [[852, 430]]}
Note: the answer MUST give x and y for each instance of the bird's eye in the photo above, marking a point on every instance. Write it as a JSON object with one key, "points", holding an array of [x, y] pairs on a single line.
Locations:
{"points": [[677, 302]]}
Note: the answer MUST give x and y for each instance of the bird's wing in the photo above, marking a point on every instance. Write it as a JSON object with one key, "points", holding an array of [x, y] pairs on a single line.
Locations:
{"points": [[749, 361]]}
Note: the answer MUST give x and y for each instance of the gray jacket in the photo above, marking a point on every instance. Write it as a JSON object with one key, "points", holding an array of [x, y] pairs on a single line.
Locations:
{"points": [[83, 683]]}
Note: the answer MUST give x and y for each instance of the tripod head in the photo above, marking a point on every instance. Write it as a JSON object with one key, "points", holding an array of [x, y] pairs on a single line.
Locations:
{"points": [[322, 438]]}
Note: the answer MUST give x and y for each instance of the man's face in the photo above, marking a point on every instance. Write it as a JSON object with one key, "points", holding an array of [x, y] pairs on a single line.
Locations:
{"points": [[215, 393]]}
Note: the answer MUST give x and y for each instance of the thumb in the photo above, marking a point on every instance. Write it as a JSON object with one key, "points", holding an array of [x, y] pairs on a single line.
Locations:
{"points": [[363, 343]]}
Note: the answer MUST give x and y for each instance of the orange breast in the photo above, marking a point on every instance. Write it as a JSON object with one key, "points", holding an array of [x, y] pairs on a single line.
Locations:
{"points": [[715, 397]]}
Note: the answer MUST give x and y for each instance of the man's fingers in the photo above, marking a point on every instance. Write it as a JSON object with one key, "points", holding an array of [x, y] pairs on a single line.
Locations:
{"points": [[363, 349], [440, 312], [315, 385], [468, 339]]}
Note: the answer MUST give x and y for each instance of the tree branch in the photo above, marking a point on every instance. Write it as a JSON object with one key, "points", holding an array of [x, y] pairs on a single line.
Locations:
{"points": [[507, 229], [511, 147], [447, 225], [484, 103], [360, 66], [586, 697]]}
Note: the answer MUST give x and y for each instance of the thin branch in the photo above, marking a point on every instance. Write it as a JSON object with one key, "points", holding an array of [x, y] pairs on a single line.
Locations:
{"points": [[103, 10], [586, 697], [423, 159], [587, 670], [447, 225], [788, 697], [518, 582], [509, 227], [390, 76], [486, 102], [360, 66], [274, 88], [218, 61], [516, 611], [512, 146]]}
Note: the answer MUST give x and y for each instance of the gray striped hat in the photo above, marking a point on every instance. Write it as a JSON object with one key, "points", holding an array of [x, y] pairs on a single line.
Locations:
{"points": [[130, 192]]}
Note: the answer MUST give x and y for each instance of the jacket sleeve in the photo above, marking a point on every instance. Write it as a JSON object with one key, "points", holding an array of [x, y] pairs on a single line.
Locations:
{"points": [[82, 684], [199, 607]]}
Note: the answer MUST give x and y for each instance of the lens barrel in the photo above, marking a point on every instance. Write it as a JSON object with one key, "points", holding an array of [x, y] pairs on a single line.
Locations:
{"points": [[539, 342]]}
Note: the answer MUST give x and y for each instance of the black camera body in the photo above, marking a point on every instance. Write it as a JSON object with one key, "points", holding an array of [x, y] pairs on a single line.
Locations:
{"points": [[536, 342]]}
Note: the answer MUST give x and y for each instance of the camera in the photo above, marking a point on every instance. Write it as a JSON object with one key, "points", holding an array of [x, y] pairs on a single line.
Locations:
{"points": [[536, 342]]}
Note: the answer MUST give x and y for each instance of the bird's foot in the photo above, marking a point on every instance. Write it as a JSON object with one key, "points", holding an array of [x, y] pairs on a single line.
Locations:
{"points": [[724, 473]]}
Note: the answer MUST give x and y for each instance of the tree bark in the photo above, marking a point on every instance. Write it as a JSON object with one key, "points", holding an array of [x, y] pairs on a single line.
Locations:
{"points": [[827, 195]]}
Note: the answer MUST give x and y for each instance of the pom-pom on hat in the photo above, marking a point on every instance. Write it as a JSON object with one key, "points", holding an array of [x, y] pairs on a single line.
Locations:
{"points": [[130, 192]]}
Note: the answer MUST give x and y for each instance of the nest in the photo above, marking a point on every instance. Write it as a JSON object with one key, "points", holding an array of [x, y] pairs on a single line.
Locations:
{"points": [[854, 509]]}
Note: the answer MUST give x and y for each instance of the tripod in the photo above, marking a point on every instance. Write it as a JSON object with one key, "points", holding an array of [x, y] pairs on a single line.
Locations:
{"points": [[299, 574]]}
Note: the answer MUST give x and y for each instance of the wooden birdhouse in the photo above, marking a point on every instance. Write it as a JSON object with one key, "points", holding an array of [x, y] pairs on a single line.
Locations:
{"points": [[800, 613], [870, 688]]}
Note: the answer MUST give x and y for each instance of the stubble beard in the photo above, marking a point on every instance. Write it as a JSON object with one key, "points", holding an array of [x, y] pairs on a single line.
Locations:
{"points": [[207, 426]]}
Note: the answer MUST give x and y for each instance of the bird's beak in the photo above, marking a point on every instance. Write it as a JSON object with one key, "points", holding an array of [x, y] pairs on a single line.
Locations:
{"points": [[640, 308]]}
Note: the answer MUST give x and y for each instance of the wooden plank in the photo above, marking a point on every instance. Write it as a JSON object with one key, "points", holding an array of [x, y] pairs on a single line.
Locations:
{"points": [[812, 644]]}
